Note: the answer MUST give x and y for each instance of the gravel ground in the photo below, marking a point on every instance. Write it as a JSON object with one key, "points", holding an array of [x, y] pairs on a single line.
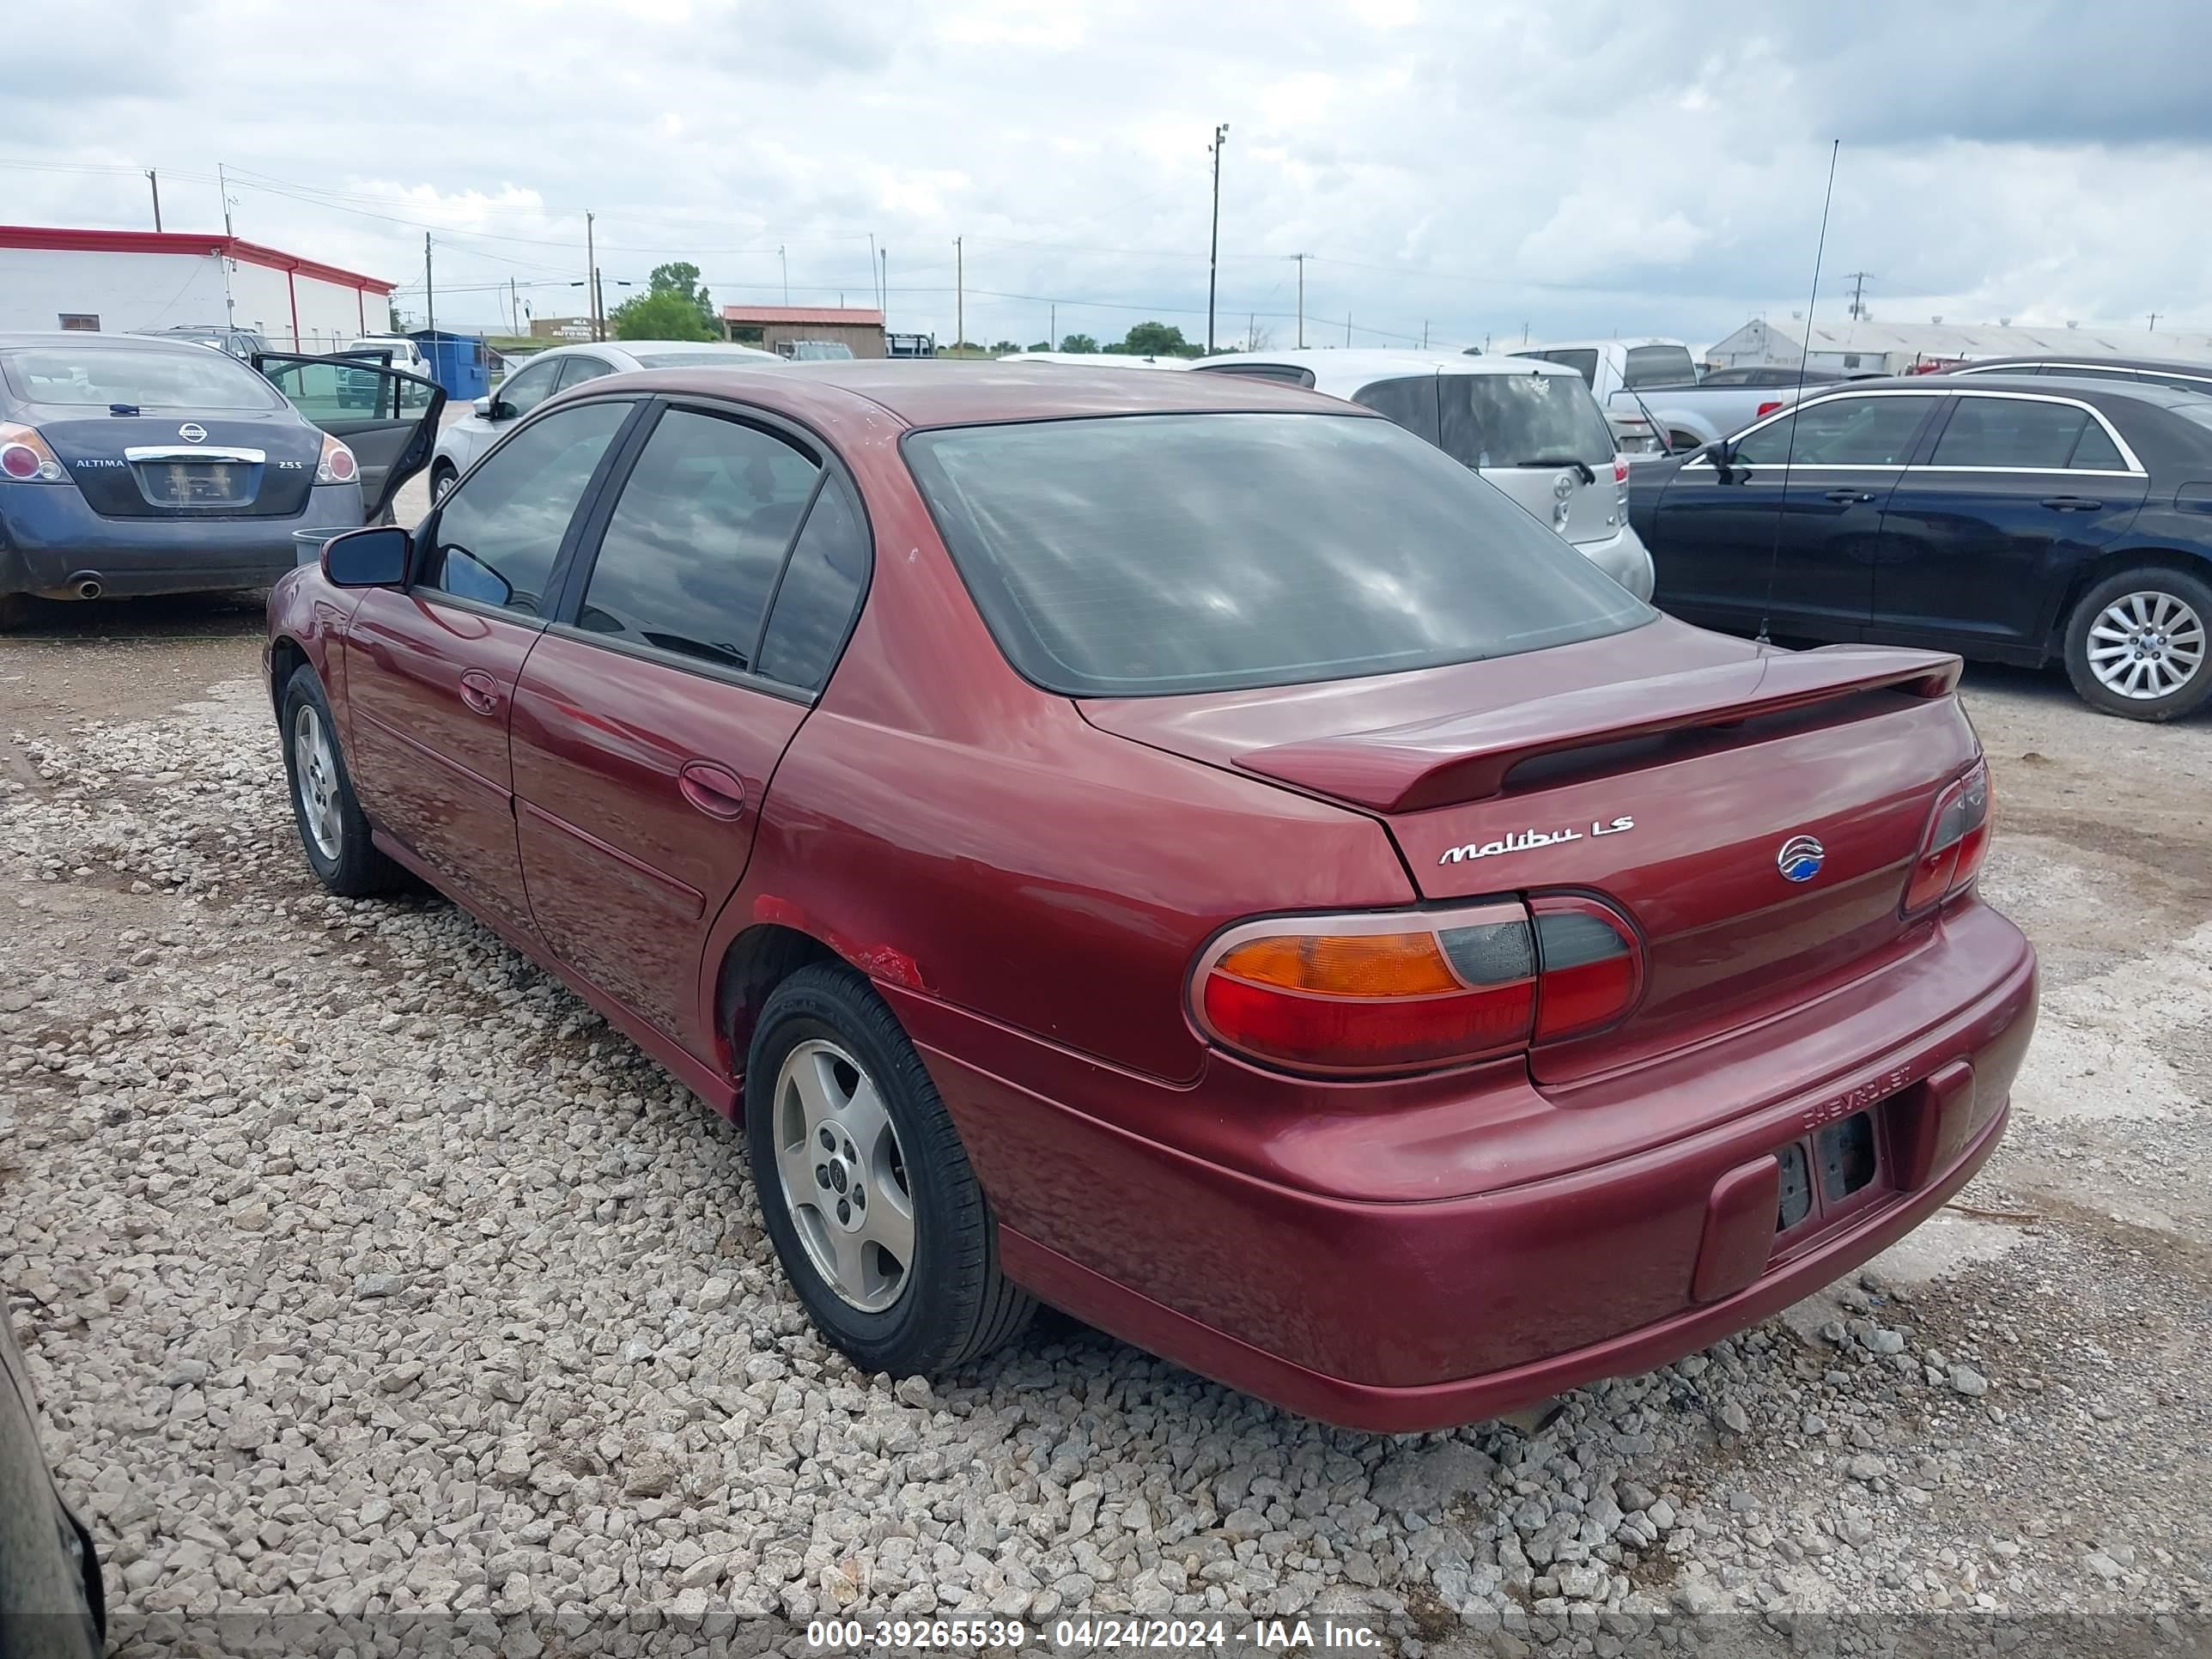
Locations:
{"points": [[366, 1273]]}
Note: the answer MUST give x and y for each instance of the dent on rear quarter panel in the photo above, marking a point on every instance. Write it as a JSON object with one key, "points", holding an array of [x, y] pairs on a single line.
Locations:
{"points": [[937, 810]]}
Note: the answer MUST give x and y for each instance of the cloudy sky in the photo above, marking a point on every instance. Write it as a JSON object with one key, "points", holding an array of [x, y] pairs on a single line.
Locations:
{"points": [[1470, 169]]}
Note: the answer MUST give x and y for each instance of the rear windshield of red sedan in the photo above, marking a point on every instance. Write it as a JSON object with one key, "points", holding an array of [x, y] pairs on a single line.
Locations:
{"points": [[1150, 554]]}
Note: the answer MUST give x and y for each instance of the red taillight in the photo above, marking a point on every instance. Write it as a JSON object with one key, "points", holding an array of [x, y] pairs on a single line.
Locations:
{"points": [[337, 465], [1589, 966], [1621, 469], [1767, 408], [1958, 837], [1354, 995], [24, 458]]}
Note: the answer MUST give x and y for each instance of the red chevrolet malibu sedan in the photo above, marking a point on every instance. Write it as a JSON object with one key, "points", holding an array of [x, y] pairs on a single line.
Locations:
{"points": [[1183, 848]]}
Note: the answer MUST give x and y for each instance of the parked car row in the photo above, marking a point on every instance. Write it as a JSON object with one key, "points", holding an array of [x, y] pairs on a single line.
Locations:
{"points": [[1108, 833]]}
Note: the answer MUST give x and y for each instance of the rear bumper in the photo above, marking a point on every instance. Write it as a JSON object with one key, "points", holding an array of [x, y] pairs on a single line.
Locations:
{"points": [[51, 540], [1396, 1317], [1624, 558]]}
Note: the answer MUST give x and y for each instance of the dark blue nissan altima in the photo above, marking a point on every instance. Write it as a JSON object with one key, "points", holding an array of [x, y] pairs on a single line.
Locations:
{"points": [[132, 466]]}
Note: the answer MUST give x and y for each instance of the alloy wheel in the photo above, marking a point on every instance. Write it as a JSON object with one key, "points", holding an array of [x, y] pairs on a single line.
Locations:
{"points": [[315, 774], [2146, 645], [844, 1176]]}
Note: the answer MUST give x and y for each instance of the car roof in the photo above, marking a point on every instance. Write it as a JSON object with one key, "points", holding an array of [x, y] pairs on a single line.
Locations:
{"points": [[86, 338], [1347, 371], [1624, 340], [715, 348], [2067, 386], [1095, 359], [2202, 370], [939, 392]]}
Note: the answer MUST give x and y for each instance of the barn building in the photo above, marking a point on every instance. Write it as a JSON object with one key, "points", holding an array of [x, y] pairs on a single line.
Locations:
{"points": [[119, 282]]}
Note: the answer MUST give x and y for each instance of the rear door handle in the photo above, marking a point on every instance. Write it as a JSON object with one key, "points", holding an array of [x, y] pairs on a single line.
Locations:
{"points": [[715, 790], [480, 691], [1845, 497], [2071, 503]]}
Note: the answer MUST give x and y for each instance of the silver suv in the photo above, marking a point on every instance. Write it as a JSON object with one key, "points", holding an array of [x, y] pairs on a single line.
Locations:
{"points": [[1530, 428]]}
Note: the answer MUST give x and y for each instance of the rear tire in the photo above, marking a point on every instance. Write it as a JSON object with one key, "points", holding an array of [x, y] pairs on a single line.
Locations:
{"points": [[854, 1155], [443, 477], [333, 834], [2137, 645]]}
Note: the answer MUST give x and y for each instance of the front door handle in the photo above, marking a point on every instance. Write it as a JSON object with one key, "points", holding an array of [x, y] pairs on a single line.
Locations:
{"points": [[1844, 497], [715, 790], [480, 691], [2071, 504]]}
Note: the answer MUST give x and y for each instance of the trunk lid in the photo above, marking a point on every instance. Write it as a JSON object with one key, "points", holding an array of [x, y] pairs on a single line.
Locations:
{"points": [[229, 464], [1665, 769]]}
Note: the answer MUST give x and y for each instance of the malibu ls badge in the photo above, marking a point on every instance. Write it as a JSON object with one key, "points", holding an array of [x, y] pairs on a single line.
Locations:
{"points": [[1528, 838]]}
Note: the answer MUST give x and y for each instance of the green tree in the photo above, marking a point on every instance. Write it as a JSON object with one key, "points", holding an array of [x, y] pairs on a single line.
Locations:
{"points": [[673, 307], [1158, 340], [1003, 347], [661, 317], [1075, 342], [1041, 345]]}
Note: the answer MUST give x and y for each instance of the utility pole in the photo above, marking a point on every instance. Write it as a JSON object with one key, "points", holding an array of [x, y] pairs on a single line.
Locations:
{"points": [[223, 184], [786, 263], [590, 275], [1857, 279], [1347, 329], [1524, 334], [1213, 250], [1301, 259], [885, 304], [959, 294], [1251, 330], [154, 179], [1052, 328], [429, 288], [1425, 334], [513, 310], [2154, 322]]}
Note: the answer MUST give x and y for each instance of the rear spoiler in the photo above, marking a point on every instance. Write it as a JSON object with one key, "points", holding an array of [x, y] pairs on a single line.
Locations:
{"points": [[1463, 757]]}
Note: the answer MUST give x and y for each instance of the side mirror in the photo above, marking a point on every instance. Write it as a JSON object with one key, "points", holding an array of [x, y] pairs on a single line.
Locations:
{"points": [[1722, 457], [483, 407], [374, 557]]}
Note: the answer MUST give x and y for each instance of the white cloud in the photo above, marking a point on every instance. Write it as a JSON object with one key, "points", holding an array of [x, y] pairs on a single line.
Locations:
{"points": [[1577, 165]]}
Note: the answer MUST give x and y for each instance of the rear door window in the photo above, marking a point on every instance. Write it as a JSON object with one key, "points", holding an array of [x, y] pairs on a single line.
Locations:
{"points": [[697, 540], [575, 371], [498, 533], [1410, 400], [2016, 432], [1840, 432], [1584, 362], [526, 388], [821, 589]]}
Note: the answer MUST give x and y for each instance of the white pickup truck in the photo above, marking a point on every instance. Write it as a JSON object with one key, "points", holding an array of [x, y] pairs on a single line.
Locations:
{"points": [[1650, 393]]}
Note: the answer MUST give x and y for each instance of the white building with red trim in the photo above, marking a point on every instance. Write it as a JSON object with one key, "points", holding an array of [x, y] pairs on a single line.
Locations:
{"points": [[116, 281]]}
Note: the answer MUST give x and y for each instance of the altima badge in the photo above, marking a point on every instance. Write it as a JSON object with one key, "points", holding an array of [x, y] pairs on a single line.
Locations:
{"points": [[1800, 857], [1528, 838]]}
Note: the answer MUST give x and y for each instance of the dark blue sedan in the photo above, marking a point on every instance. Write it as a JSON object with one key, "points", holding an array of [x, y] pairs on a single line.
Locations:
{"points": [[132, 466]]}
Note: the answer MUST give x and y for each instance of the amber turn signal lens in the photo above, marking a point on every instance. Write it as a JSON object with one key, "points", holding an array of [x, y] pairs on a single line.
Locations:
{"points": [[1344, 964]]}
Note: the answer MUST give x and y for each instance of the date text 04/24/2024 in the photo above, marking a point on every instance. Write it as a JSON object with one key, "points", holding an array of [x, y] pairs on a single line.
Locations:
{"points": [[1088, 1635]]}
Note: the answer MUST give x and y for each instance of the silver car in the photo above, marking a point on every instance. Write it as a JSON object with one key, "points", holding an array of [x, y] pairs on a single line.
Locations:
{"points": [[1530, 428], [464, 442]]}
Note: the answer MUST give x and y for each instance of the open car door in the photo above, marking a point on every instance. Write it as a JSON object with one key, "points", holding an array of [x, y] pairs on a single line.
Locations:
{"points": [[388, 418]]}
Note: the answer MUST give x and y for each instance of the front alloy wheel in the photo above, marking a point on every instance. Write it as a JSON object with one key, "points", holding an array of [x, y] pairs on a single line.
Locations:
{"points": [[315, 772]]}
